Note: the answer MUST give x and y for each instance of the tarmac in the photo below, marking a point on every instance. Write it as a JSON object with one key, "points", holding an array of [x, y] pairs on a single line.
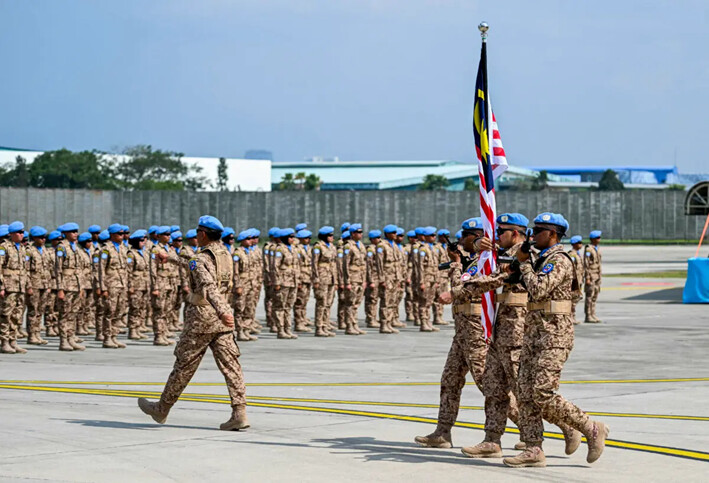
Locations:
{"points": [[347, 408]]}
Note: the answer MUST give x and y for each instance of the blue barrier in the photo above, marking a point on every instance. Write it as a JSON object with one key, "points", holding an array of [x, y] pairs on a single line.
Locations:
{"points": [[696, 290]]}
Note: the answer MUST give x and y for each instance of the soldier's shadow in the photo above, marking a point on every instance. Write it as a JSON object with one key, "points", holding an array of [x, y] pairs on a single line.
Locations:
{"points": [[98, 423]]}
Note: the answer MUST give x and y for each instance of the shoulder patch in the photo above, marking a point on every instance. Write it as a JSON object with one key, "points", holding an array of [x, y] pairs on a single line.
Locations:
{"points": [[279, 254], [2, 252], [95, 259], [193, 264], [379, 250], [236, 258], [339, 255], [548, 268], [416, 250], [316, 250], [60, 252], [129, 260], [104, 255], [347, 250], [422, 253], [370, 254], [152, 255]]}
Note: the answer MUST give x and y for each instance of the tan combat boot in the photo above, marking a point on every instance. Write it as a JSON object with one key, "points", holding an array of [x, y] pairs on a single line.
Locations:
{"points": [[76, 346], [108, 343], [156, 410], [18, 349], [35, 338], [532, 457], [486, 449], [134, 334], [6, 348], [288, 332], [384, 329], [350, 330], [440, 438], [596, 435], [237, 421], [242, 336], [51, 331], [320, 332], [64, 344], [391, 327], [301, 327], [572, 439], [160, 340], [521, 446]]}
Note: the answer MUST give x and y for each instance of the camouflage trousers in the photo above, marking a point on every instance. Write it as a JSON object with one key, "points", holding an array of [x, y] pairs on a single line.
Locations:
{"points": [[161, 307], [268, 305], [371, 302], [592, 290], [324, 296], [114, 307], [252, 302], [411, 304], [190, 350], [98, 316], [499, 381], [466, 355], [238, 305], [174, 304], [177, 304], [283, 300], [546, 346], [36, 307], [341, 308], [87, 309], [302, 296], [353, 298], [425, 299], [575, 299], [51, 311], [12, 306], [69, 312], [399, 296], [138, 309], [388, 301]]}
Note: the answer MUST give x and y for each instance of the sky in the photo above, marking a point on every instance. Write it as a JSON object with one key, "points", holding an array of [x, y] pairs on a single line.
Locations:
{"points": [[572, 82]]}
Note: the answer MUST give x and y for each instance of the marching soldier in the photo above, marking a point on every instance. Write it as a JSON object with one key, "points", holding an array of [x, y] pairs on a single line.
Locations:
{"points": [[548, 340], [305, 273], [354, 272], [284, 277], [14, 286], [577, 257], [375, 277], [592, 267], [41, 266], [138, 274], [324, 277], [208, 323], [114, 285], [70, 286]]}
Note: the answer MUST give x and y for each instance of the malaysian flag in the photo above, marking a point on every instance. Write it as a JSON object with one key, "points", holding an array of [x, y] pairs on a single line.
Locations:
{"points": [[491, 164]]}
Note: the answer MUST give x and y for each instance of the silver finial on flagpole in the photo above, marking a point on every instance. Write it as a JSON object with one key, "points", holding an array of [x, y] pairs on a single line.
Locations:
{"points": [[483, 27]]}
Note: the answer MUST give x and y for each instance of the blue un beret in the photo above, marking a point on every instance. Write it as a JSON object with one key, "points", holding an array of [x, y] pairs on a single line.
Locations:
{"points": [[273, 230], [513, 219], [428, 230], [191, 234], [326, 230], [345, 226], [345, 234], [174, 228], [52, 236], [3, 230], [84, 237], [548, 218], [255, 233], [69, 227], [595, 234], [162, 230], [94, 229], [15, 227], [38, 231], [103, 236], [301, 226], [390, 229], [286, 232], [355, 227], [137, 234], [411, 234], [418, 230], [399, 231], [243, 235], [210, 222], [375, 234], [25, 234], [227, 231], [473, 224], [444, 231], [304, 234], [153, 229], [115, 228], [576, 239], [459, 234], [125, 228], [175, 235]]}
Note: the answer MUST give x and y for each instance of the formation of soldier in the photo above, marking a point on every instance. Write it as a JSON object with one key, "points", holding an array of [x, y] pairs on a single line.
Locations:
{"points": [[109, 282]]}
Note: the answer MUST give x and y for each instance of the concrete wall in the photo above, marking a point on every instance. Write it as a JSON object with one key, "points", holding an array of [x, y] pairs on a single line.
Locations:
{"points": [[642, 214]]}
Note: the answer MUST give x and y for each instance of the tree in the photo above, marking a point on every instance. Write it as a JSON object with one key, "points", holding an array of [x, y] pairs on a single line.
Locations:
{"points": [[676, 187], [610, 182], [66, 169], [312, 182], [541, 182], [142, 168], [287, 182], [471, 184], [300, 180], [434, 182], [17, 176], [222, 176]]}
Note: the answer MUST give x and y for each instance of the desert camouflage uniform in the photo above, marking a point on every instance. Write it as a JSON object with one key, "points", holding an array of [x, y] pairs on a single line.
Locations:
{"points": [[161, 274], [324, 275], [242, 282], [255, 290], [14, 280], [409, 298], [69, 279], [268, 288], [577, 295], [113, 279], [443, 285], [51, 310], [592, 267], [390, 259], [354, 273], [305, 256], [375, 277], [138, 271], [426, 270], [284, 274], [87, 308], [41, 266]]}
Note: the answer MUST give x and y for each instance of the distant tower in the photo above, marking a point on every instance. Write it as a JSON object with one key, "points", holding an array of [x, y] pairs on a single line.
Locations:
{"points": [[258, 154]]}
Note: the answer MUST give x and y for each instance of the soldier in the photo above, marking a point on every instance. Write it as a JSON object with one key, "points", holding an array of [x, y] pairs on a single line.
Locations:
{"points": [[341, 305], [70, 286], [241, 286], [354, 273], [41, 265], [284, 277], [191, 248], [256, 281], [375, 277], [90, 282], [548, 339], [160, 286], [208, 323], [592, 270], [578, 259], [468, 348], [403, 276], [426, 268], [443, 285], [390, 259], [152, 238], [411, 312], [138, 274], [305, 273], [268, 289], [113, 282], [324, 277], [14, 287], [95, 231], [51, 313], [180, 282], [228, 239]]}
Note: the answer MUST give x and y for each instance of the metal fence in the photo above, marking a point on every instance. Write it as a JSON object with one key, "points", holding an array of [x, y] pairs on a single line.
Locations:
{"points": [[623, 215]]}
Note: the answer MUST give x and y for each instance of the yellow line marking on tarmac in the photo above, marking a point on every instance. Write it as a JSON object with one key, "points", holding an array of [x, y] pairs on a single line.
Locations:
{"points": [[663, 450], [339, 384], [655, 288]]}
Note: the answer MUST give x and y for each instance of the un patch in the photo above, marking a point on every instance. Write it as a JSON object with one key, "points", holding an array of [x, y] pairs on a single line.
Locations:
{"points": [[193, 264], [2, 253], [472, 270], [548, 268]]}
